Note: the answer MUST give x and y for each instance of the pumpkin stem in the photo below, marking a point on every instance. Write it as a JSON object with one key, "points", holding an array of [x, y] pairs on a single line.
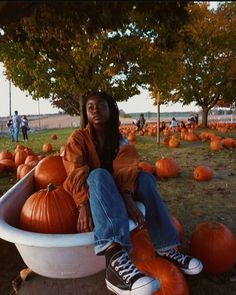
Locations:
{"points": [[51, 187]]}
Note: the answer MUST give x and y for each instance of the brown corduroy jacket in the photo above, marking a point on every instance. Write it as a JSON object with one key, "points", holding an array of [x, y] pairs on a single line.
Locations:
{"points": [[80, 157]]}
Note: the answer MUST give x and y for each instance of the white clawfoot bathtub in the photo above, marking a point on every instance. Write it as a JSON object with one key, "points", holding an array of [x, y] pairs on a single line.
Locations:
{"points": [[50, 255]]}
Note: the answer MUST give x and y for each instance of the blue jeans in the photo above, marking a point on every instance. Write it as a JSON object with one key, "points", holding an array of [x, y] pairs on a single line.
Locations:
{"points": [[111, 224], [16, 130]]}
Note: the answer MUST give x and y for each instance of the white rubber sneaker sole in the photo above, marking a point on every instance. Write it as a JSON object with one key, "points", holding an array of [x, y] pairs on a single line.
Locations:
{"points": [[148, 289], [193, 271]]}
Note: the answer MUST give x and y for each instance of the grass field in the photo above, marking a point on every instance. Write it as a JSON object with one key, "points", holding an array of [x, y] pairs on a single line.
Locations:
{"points": [[190, 201]]}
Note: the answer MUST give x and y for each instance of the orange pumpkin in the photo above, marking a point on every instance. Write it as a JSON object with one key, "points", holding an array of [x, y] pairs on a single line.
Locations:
{"points": [[202, 173], [49, 170], [22, 170], [31, 158], [6, 155], [190, 136], [8, 164], [142, 248], [53, 136], [20, 156], [227, 143], [173, 142], [216, 145], [167, 167], [214, 244], [47, 148], [51, 211], [172, 281]]}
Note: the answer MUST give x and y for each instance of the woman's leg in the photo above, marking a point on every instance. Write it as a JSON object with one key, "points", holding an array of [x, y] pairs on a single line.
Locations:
{"points": [[160, 227], [161, 230], [109, 214], [111, 228]]}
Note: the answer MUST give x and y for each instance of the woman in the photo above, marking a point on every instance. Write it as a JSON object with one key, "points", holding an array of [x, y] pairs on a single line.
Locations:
{"points": [[24, 128], [104, 180]]}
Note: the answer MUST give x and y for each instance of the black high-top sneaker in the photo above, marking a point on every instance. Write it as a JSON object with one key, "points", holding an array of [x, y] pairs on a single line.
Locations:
{"points": [[122, 277], [188, 264]]}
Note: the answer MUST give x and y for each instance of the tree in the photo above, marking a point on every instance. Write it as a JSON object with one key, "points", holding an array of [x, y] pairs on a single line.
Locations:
{"points": [[209, 59], [62, 52]]}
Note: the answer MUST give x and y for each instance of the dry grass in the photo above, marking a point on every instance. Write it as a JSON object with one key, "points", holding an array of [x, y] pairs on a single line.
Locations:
{"points": [[194, 202], [190, 201]]}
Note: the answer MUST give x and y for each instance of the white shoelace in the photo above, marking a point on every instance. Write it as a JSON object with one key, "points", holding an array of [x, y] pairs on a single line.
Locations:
{"points": [[176, 255], [127, 267]]}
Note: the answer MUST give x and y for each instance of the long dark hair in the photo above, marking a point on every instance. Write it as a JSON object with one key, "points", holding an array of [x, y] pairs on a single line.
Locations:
{"points": [[111, 145]]}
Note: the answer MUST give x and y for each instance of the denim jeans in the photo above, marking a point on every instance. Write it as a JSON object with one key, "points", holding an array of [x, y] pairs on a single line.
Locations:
{"points": [[111, 224], [16, 130]]}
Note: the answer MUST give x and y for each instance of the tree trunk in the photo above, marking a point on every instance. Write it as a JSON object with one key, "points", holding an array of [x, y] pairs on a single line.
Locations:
{"points": [[205, 111]]}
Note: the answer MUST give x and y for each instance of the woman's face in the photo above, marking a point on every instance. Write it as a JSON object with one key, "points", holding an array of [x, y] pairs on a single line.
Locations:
{"points": [[97, 109]]}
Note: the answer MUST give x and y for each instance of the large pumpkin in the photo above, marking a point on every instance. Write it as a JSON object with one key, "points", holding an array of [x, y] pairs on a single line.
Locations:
{"points": [[167, 167], [49, 170], [50, 210], [202, 173], [172, 281], [142, 248], [214, 244]]}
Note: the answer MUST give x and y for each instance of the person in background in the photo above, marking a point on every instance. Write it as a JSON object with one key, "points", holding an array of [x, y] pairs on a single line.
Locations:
{"points": [[16, 125], [173, 124], [196, 118], [162, 126], [182, 125], [104, 179], [25, 128], [10, 128], [141, 122]]}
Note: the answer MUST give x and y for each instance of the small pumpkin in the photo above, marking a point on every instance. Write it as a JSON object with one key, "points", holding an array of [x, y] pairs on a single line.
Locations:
{"points": [[49, 170], [216, 145], [167, 167], [22, 170], [47, 148], [202, 173], [51, 210], [214, 244], [53, 136], [174, 141]]}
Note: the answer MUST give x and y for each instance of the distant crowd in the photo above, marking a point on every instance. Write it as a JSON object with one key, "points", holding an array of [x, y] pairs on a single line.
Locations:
{"points": [[173, 124], [15, 124]]}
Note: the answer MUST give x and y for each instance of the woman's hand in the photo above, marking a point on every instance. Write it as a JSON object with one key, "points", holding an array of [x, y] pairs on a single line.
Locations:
{"points": [[133, 210], [85, 222]]}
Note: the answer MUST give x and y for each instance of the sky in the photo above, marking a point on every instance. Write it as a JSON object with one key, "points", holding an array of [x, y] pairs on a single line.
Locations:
{"points": [[27, 106]]}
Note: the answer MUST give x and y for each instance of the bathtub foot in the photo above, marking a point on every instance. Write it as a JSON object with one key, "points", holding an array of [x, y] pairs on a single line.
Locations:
{"points": [[16, 283]]}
